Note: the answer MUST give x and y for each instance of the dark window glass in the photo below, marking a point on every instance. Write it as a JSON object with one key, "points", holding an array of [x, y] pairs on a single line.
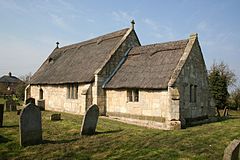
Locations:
{"points": [[133, 95], [72, 91]]}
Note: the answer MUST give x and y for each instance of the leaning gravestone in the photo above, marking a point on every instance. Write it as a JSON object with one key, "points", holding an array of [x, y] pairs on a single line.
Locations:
{"points": [[1, 114], [30, 125], [90, 120]]}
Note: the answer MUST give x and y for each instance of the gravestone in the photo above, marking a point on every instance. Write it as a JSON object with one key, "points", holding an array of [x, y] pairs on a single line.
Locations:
{"points": [[1, 114], [41, 104], [231, 152], [55, 117], [30, 125], [30, 100], [10, 105], [90, 120]]}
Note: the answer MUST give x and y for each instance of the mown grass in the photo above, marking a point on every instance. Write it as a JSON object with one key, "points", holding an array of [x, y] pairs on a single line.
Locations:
{"points": [[116, 140], [2, 101]]}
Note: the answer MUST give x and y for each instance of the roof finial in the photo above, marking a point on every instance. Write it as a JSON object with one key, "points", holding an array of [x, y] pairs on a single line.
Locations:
{"points": [[193, 35], [57, 44], [133, 23]]}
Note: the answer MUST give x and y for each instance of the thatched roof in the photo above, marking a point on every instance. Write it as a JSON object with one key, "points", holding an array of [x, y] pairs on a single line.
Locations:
{"points": [[148, 67], [77, 63], [9, 79]]}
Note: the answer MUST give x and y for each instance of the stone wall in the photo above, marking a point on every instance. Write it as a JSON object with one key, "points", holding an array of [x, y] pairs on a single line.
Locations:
{"points": [[174, 106], [55, 97], [151, 110], [193, 73], [99, 95]]}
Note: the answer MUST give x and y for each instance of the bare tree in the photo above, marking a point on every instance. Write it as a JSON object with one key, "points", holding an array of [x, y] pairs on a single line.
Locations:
{"points": [[20, 89], [26, 78]]}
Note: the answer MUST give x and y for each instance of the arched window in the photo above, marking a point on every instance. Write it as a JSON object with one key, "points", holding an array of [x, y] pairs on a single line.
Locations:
{"points": [[40, 93]]}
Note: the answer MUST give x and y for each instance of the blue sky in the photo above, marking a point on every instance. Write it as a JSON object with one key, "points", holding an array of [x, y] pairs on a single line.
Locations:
{"points": [[29, 28]]}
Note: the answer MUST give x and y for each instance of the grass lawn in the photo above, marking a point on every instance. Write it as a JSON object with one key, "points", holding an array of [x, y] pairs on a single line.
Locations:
{"points": [[2, 101], [116, 140]]}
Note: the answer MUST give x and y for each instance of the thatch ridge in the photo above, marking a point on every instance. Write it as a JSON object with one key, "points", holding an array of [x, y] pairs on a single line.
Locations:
{"points": [[77, 63]]}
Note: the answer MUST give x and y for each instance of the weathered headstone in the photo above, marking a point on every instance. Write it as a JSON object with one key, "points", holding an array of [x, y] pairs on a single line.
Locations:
{"points": [[30, 125], [55, 117], [90, 120], [30, 100], [231, 152], [10, 105], [41, 104], [1, 114]]}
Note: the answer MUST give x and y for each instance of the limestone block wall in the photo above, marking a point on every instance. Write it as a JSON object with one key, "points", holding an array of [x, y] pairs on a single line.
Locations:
{"points": [[55, 97], [174, 104], [152, 103], [193, 73], [99, 95]]}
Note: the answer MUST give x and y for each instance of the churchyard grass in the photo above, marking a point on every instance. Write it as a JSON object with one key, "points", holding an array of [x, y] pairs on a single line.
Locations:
{"points": [[116, 140], [2, 101]]}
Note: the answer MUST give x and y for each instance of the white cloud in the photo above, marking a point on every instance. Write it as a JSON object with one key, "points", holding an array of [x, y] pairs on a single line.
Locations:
{"points": [[122, 16], [152, 24], [159, 31], [67, 6], [90, 20], [55, 7], [58, 21]]}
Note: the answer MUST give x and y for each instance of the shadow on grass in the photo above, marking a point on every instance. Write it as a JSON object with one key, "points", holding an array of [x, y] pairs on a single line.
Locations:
{"points": [[216, 119], [4, 140], [59, 141], [12, 126], [109, 132]]}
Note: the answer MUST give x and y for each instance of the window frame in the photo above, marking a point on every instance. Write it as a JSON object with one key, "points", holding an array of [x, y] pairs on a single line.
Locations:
{"points": [[193, 93], [133, 95], [190, 93], [72, 91], [40, 93]]}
